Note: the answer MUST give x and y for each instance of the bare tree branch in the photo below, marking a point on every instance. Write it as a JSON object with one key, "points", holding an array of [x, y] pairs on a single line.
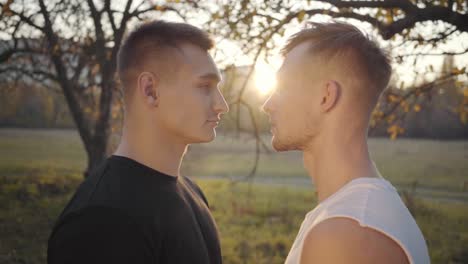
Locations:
{"points": [[415, 91], [35, 74], [24, 18], [107, 8], [435, 54], [55, 53], [405, 5], [413, 15], [137, 12], [439, 37]]}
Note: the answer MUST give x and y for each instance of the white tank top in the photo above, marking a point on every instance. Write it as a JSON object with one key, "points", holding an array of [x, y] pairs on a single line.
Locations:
{"points": [[373, 203]]}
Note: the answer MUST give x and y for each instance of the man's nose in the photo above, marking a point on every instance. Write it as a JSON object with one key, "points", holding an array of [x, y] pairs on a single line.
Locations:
{"points": [[267, 107], [220, 104]]}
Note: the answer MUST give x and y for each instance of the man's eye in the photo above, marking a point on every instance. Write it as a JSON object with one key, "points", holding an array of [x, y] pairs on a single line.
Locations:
{"points": [[205, 87]]}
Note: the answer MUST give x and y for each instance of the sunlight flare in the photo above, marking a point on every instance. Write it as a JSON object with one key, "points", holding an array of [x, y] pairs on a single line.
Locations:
{"points": [[265, 78]]}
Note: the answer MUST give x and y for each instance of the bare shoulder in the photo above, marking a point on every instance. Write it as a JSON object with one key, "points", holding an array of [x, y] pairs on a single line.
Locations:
{"points": [[343, 240]]}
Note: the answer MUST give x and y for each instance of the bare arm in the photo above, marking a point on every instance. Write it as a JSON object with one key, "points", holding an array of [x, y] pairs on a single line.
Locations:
{"points": [[343, 240]]}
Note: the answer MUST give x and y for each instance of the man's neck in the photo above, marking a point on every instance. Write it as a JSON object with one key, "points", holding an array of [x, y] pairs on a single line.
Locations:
{"points": [[336, 161], [153, 150]]}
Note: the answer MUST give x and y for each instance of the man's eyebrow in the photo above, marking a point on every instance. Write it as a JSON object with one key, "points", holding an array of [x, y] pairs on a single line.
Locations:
{"points": [[211, 76]]}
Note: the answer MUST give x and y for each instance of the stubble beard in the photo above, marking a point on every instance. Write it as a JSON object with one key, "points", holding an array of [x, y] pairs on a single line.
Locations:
{"points": [[287, 144]]}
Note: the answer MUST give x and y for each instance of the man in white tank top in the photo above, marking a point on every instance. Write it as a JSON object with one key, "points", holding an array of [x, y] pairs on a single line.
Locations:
{"points": [[328, 85]]}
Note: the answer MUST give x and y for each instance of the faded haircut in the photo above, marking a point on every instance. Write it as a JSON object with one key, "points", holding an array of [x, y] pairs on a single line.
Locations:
{"points": [[337, 40], [156, 42]]}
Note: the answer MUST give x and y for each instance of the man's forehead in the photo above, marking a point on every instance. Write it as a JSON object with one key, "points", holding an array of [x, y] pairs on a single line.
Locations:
{"points": [[199, 62], [299, 51], [297, 56]]}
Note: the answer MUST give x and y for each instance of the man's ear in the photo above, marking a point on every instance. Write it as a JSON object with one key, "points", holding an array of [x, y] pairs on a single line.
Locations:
{"points": [[148, 88], [330, 95]]}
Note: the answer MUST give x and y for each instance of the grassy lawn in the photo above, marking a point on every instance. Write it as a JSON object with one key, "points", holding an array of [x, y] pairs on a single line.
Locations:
{"points": [[430, 163], [39, 171], [256, 224], [41, 150], [435, 164]]}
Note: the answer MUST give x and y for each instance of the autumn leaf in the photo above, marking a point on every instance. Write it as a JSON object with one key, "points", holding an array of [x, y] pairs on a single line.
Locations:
{"points": [[95, 69], [459, 84], [56, 49], [300, 16], [159, 8], [215, 16], [465, 92], [464, 118], [6, 8], [457, 71], [392, 98], [389, 18], [394, 130], [87, 110], [405, 106]]}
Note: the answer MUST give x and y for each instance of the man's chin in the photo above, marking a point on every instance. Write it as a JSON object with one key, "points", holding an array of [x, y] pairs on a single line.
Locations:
{"points": [[208, 137], [280, 146]]}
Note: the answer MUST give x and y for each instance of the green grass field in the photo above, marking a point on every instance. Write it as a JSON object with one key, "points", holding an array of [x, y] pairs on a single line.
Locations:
{"points": [[255, 227], [39, 171], [435, 164]]}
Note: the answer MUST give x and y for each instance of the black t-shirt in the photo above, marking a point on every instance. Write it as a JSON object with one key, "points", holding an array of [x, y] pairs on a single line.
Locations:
{"points": [[127, 212]]}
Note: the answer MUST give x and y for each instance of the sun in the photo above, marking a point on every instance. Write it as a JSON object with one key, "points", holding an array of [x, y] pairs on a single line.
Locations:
{"points": [[265, 78]]}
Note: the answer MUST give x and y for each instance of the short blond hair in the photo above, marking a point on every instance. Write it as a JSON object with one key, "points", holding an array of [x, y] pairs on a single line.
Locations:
{"points": [[334, 39]]}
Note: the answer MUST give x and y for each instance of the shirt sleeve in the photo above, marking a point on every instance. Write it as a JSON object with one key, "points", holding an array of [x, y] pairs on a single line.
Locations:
{"points": [[98, 235]]}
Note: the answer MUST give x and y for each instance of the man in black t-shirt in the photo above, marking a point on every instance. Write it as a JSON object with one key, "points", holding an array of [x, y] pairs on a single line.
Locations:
{"points": [[136, 207]]}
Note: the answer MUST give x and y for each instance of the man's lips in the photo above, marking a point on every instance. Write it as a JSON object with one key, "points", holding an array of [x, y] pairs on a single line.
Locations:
{"points": [[272, 123], [213, 121], [272, 126]]}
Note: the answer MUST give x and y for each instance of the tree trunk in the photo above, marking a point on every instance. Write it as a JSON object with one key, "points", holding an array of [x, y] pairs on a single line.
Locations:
{"points": [[96, 148], [96, 152]]}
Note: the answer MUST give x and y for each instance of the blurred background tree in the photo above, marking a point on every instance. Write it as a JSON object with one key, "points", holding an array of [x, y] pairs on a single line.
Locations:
{"points": [[413, 30], [70, 47]]}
